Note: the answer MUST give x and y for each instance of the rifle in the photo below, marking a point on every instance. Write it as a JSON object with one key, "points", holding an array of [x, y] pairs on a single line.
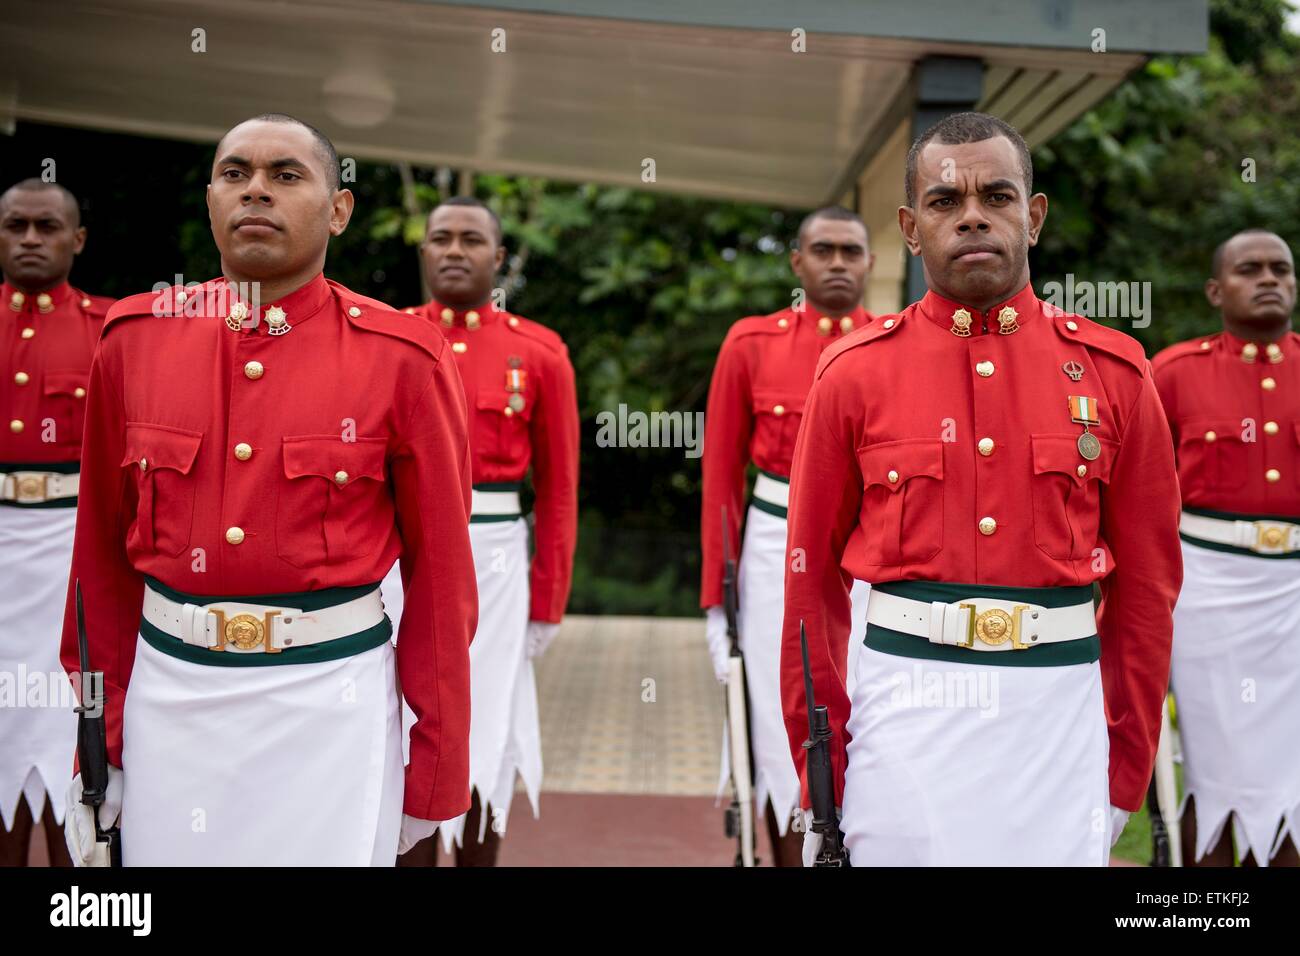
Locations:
{"points": [[739, 819], [821, 778], [1162, 798], [92, 743], [1160, 854]]}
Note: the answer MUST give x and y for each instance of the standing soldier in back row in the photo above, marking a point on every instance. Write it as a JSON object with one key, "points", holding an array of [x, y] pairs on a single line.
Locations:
{"points": [[523, 412], [983, 458], [48, 332], [1233, 401], [756, 401]]}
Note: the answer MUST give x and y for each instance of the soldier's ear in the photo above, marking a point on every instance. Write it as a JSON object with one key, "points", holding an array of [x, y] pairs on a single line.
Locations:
{"points": [[341, 204], [1037, 216], [907, 226], [78, 240], [1214, 293], [500, 257]]}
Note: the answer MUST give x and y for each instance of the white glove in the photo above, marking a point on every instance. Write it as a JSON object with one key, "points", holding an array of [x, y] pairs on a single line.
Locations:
{"points": [[540, 635], [79, 820], [1118, 821], [715, 629], [414, 830], [812, 840]]}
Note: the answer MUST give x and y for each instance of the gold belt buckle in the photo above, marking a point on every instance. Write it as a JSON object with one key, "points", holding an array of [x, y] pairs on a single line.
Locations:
{"points": [[1270, 536], [245, 631], [31, 489], [994, 627]]}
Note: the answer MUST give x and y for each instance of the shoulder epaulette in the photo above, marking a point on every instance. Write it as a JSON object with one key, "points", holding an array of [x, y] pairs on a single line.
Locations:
{"points": [[1198, 346], [535, 331], [374, 316], [880, 327], [1076, 328]]}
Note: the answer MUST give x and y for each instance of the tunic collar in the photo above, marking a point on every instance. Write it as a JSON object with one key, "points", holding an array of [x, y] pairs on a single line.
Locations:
{"points": [[469, 318], [1006, 317], [36, 302]]}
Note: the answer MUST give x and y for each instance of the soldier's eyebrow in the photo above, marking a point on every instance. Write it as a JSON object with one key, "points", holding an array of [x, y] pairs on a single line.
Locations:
{"points": [[942, 189], [444, 231], [1000, 186], [289, 163]]}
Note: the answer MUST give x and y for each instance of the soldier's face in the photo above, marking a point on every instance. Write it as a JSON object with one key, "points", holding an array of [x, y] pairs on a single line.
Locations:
{"points": [[460, 254], [1256, 280], [973, 223], [832, 263], [271, 208], [39, 238]]}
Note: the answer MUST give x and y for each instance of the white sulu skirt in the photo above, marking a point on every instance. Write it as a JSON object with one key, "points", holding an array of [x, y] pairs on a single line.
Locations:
{"points": [[761, 593], [1236, 683], [505, 730], [955, 764], [286, 765], [38, 728]]}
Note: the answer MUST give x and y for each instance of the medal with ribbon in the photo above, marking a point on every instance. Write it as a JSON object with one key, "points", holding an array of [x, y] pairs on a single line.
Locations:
{"points": [[1083, 411], [515, 379]]}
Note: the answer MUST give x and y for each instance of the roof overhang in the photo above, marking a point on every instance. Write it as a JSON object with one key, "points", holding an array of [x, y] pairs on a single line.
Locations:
{"points": [[584, 90]]}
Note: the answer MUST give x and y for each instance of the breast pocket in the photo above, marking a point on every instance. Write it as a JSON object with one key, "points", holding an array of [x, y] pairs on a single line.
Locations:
{"points": [[161, 458], [777, 414], [1212, 450], [65, 403], [500, 431], [1067, 501], [326, 512], [902, 500]]}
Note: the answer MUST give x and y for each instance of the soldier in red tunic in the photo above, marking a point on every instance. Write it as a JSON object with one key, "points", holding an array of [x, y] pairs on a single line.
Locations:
{"points": [[259, 451], [523, 414], [982, 459], [756, 401], [48, 331], [1233, 401]]}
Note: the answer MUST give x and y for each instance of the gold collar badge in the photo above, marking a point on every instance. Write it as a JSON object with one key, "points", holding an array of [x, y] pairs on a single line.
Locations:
{"points": [[1007, 321], [961, 323], [276, 321], [238, 313]]}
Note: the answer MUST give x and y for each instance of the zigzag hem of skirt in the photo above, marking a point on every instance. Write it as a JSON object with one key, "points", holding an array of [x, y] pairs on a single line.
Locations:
{"points": [[1213, 815], [453, 831]]}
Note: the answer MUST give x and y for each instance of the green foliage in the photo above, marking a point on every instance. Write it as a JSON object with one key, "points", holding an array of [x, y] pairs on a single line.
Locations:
{"points": [[1143, 187]]}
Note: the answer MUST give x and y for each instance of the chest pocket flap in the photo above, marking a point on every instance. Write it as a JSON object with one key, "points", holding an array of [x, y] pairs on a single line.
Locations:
{"points": [[893, 464], [1060, 454], [778, 402], [150, 447], [329, 456], [66, 382]]}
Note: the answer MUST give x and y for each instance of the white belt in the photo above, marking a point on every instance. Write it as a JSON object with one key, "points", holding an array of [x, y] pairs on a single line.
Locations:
{"points": [[494, 502], [773, 492], [259, 628], [34, 487], [982, 624], [1261, 537]]}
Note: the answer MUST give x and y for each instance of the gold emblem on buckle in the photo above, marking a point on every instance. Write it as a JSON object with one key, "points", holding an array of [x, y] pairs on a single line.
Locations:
{"points": [[994, 627], [245, 631], [1269, 537], [32, 489]]}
